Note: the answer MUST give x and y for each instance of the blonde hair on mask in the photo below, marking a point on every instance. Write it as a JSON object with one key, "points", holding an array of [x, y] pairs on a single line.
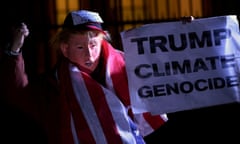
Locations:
{"points": [[63, 36]]}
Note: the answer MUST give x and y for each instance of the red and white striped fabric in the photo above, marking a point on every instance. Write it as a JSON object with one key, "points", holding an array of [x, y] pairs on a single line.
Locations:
{"points": [[103, 112], [116, 79], [100, 114]]}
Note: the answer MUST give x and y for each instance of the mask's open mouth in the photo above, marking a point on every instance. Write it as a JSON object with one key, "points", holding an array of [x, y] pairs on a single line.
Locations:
{"points": [[88, 63]]}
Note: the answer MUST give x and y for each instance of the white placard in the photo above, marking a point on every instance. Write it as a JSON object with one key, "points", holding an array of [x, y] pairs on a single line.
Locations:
{"points": [[174, 66]]}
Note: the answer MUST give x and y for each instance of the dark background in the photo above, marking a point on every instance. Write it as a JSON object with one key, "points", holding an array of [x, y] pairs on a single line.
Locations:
{"points": [[206, 125]]}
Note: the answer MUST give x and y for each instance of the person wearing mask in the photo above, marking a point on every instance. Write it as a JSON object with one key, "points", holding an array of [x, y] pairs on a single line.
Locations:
{"points": [[85, 98]]}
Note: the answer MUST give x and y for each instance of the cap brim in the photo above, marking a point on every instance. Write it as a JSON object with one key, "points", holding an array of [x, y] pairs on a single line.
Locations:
{"points": [[95, 28]]}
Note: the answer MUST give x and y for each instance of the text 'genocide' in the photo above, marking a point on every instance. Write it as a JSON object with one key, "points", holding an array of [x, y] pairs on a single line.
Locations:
{"points": [[190, 40]]}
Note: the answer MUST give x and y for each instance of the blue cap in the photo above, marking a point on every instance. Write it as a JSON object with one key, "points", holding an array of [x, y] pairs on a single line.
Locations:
{"points": [[83, 19]]}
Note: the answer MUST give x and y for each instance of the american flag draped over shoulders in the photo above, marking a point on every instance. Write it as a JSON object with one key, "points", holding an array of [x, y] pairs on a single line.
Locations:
{"points": [[101, 113]]}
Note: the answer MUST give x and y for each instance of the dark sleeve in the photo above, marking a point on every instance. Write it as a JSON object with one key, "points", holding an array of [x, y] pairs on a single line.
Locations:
{"points": [[13, 77]]}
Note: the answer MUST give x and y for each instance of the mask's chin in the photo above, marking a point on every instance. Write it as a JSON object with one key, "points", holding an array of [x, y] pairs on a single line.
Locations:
{"points": [[86, 70], [88, 67]]}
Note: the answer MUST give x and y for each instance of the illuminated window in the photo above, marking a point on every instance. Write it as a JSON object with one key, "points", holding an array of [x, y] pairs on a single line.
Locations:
{"points": [[63, 7], [152, 10]]}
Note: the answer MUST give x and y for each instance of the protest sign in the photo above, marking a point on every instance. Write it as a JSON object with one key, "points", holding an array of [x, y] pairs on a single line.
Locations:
{"points": [[173, 66]]}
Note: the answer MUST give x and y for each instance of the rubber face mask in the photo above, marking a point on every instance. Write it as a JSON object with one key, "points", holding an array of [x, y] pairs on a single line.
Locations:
{"points": [[83, 50]]}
